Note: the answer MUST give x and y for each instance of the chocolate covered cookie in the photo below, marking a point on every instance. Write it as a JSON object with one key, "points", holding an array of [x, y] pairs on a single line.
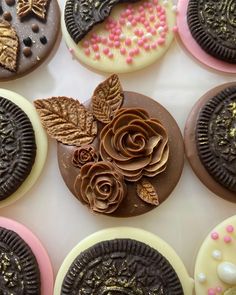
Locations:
{"points": [[28, 33], [210, 137], [17, 147], [19, 272], [122, 261], [212, 24], [22, 150], [118, 36], [121, 154]]}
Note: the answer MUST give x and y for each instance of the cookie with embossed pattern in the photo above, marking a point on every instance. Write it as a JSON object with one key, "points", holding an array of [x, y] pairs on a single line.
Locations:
{"points": [[210, 140], [212, 24]]}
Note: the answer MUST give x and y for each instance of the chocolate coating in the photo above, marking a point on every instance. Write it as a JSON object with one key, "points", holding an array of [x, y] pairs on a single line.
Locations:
{"points": [[23, 28], [121, 266], [164, 183], [17, 147], [19, 271], [212, 24], [191, 146]]}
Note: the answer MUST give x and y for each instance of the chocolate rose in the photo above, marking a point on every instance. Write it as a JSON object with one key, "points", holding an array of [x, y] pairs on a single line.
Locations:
{"points": [[84, 155], [135, 143], [100, 186]]}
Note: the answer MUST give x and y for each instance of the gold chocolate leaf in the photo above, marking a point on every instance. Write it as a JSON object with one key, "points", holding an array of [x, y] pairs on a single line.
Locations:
{"points": [[107, 99], [147, 192], [67, 120], [37, 7], [9, 46]]}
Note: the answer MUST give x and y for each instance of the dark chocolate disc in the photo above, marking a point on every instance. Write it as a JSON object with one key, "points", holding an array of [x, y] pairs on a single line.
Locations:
{"points": [[120, 267], [213, 26], [82, 15], [19, 271], [17, 147], [216, 137]]}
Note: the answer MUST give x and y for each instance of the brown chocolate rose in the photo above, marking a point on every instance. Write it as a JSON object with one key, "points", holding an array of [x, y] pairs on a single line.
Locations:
{"points": [[135, 143], [84, 155], [100, 186]]}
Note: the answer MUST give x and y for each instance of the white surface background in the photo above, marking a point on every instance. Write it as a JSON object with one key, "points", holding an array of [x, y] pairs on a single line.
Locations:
{"points": [[59, 220]]}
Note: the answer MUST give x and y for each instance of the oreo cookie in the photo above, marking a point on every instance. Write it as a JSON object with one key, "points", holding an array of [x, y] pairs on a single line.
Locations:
{"points": [[213, 26], [82, 15], [121, 266], [19, 271], [17, 147], [216, 137]]}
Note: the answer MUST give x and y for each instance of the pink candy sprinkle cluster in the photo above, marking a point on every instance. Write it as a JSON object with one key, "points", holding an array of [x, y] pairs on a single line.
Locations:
{"points": [[227, 239], [147, 26]]}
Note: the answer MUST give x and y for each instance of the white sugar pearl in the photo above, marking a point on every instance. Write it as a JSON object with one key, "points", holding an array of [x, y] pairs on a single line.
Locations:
{"points": [[227, 272], [135, 39], [122, 37], [216, 254], [128, 25], [165, 2], [174, 8], [201, 277], [160, 29], [148, 35]]}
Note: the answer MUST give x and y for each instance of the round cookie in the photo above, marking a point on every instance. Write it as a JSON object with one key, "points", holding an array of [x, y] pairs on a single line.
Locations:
{"points": [[215, 268], [124, 166], [26, 267], [32, 29], [191, 44], [23, 151], [127, 248], [210, 140], [131, 38]]}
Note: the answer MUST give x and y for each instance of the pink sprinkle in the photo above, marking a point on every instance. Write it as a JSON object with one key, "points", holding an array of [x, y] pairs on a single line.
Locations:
{"points": [[94, 35], [129, 60], [227, 239], [163, 35], [162, 17], [175, 29], [117, 31], [110, 55], [143, 14], [149, 29], [140, 42], [95, 47], [86, 44], [157, 26], [214, 236], [128, 42], [136, 51], [136, 32], [154, 46], [97, 56], [211, 292], [131, 53], [141, 8], [146, 47], [153, 32], [141, 33], [155, 1], [142, 19], [128, 12], [130, 18], [133, 23], [71, 50], [152, 18], [146, 23], [106, 51], [122, 21], [230, 228], [117, 38], [150, 10], [123, 51], [111, 37], [117, 44], [137, 18], [158, 8], [87, 51], [219, 289], [160, 41], [110, 44], [166, 28]]}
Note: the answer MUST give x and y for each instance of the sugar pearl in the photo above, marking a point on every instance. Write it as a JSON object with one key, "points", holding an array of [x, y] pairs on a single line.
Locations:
{"points": [[230, 228], [201, 277], [216, 254]]}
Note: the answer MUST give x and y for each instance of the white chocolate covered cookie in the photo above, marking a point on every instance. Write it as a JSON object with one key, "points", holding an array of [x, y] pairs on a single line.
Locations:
{"points": [[215, 269]]}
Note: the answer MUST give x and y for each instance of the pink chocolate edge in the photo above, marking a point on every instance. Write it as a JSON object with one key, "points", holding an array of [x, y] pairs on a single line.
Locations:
{"points": [[193, 47], [37, 248]]}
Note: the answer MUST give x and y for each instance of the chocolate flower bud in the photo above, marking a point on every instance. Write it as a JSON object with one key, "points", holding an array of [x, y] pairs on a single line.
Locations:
{"points": [[84, 155], [135, 143], [100, 186]]}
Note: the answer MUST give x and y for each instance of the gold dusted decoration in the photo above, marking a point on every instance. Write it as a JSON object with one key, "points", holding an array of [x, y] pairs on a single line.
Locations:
{"points": [[147, 192], [9, 46], [36, 7]]}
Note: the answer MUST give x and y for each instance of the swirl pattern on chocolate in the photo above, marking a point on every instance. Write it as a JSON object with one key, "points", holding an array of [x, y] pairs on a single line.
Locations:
{"points": [[135, 143], [19, 271], [216, 137], [84, 155], [82, 15], [17, 147], [100, 186], [121, 266], [213, 25]]}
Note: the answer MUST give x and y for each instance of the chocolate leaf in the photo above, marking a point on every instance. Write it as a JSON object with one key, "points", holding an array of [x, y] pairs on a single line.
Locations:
{"points": [[107, 99], [37, 7], [67, 120], [147, 192], [9, 45]]}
